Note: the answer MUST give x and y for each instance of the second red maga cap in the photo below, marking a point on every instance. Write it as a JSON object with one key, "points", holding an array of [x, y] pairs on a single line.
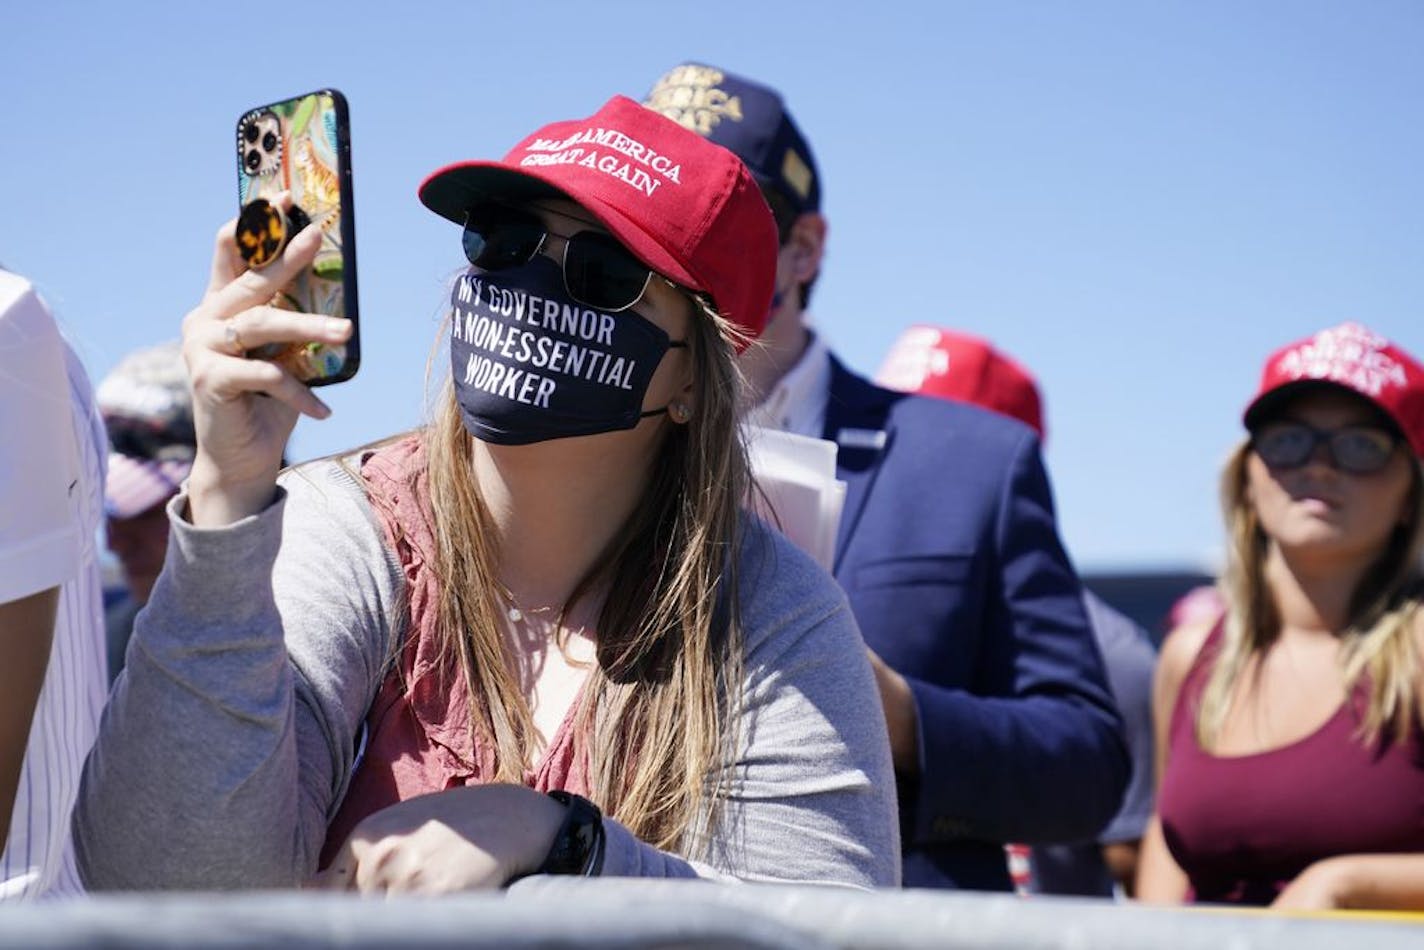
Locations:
{"points": [[687, 208], [952, 365], [1352, 357]]}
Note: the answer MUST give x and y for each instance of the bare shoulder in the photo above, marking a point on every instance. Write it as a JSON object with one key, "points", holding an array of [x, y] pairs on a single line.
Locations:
{"points": [[1179, 651], [1181, 646]]}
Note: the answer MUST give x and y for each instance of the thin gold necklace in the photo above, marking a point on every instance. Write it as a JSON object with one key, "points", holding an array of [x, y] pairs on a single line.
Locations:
{"points": [[514, 611]]}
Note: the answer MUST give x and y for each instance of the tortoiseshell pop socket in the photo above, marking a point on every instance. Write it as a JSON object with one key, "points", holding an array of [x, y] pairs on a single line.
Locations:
{"points": [[263, 230]]}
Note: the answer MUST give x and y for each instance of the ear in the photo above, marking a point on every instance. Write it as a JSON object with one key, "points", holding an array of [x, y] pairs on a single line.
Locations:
{"points": [[804, 247], [683, 405]]}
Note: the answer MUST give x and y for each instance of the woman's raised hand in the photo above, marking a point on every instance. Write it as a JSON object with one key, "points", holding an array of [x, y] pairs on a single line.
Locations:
{"points": [[241, 432]]}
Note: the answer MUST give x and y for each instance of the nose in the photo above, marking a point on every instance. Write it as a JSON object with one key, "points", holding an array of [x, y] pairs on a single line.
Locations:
{"points": [[1321, 458], [1320, 452]]}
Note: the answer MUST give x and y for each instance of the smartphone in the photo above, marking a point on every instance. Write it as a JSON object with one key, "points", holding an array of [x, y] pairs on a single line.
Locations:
{"points": [[303, 145]]}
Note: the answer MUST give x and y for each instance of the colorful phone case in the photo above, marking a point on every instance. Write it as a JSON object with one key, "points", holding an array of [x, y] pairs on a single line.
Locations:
{"points": [[303, 145]]}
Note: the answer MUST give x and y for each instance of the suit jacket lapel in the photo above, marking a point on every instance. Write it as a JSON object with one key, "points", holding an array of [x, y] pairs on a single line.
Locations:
{"points": [[858, 421]]}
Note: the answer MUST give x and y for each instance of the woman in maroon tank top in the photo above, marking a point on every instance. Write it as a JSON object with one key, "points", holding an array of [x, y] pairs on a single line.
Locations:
{"points": [[1290, 762]]}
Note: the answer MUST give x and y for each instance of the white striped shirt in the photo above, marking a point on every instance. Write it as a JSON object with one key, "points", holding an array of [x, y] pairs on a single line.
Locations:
{"points": [[52, 457]]}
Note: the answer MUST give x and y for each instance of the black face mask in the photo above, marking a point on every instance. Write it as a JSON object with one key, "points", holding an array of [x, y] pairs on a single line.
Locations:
{"points": [[531, 364]]}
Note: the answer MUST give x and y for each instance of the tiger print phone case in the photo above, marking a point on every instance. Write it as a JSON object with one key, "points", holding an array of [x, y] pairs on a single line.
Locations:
{"points": [[303, 145]]}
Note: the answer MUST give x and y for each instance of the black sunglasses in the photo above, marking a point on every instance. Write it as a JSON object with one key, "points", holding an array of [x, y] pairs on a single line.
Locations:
{"points": [[1359, 450], [140, 440], [598, 271]]}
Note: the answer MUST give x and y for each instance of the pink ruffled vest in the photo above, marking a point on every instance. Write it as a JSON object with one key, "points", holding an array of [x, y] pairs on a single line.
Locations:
{"points": [[419, 738]]}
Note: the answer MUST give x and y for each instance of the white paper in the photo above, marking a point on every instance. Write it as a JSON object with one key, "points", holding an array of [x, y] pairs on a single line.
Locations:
{"points": [[796, 490]]}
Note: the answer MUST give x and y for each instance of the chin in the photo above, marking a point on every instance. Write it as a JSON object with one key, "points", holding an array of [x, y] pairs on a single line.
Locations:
{"points": [[1328, 541], [1312, 542]]}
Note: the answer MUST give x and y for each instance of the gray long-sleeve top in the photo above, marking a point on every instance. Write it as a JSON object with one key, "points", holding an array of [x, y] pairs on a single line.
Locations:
{"points": [[229, 739]]}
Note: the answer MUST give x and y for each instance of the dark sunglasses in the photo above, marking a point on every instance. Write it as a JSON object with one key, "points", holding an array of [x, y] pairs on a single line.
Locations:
{"points": [[1359, 450], [598, 271], [141, 440]]}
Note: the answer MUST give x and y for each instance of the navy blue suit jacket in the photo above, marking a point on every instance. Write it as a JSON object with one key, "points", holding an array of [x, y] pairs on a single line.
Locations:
{"points": [[949, 553]]}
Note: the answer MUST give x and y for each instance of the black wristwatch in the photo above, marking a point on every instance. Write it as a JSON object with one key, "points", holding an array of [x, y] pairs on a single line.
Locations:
{"points": [[578, 845]]}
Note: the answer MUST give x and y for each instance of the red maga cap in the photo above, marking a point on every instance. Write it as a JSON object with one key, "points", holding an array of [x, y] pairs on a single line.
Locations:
{"points": [[951, 365], [687, 208], [1352, 357]]}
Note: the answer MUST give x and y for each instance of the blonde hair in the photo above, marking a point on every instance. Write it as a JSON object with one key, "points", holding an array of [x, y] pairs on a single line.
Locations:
{"points": [[1378, 640], [660, 708]]}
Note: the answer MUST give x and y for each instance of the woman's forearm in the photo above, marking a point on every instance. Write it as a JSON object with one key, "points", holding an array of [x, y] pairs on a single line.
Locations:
{"points": [[1358, 882], [193, 777], [232, 730]]}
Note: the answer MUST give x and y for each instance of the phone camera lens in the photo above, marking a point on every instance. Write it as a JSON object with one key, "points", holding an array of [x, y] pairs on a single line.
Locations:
{"points": [[269, 142], [253, 160], [250, 134]]}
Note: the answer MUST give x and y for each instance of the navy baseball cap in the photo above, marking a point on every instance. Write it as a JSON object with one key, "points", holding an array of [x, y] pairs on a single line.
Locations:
{"points": [[746, 118]]}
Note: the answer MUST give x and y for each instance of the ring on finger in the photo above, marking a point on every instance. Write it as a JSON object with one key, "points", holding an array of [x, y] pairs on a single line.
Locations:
{"points": [[232, 339]]}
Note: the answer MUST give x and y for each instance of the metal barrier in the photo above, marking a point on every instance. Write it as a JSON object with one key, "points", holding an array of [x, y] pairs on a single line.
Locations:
{"points": [[560, 912]]}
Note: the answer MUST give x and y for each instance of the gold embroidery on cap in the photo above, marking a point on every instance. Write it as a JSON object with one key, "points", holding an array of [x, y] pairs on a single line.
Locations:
{"points": [[796, 173], [689, 95]]}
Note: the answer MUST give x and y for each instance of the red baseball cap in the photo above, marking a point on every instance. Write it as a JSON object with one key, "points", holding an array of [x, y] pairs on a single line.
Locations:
{"points": [[936, 362], [1351, 357], [687, 208]]}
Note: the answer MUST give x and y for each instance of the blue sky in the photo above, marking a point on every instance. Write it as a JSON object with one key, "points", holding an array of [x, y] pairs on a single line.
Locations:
{"points": [[1137, 201]]}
